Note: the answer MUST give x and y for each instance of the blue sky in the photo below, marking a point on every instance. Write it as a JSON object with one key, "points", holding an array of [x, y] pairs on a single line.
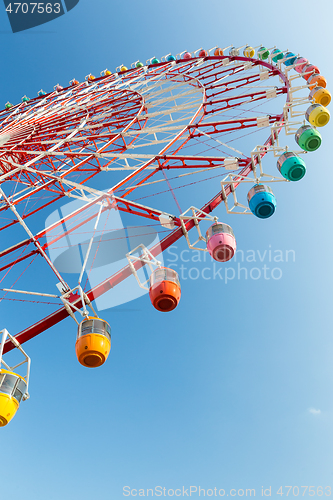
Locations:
{"points": [[232, 390]]}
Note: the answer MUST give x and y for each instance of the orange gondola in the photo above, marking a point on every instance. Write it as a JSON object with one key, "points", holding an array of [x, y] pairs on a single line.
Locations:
{"points": [[93, 342], [164, 290]]}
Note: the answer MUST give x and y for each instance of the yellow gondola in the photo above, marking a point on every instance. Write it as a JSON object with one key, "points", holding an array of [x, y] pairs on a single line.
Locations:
{"points": [[12, 389]]}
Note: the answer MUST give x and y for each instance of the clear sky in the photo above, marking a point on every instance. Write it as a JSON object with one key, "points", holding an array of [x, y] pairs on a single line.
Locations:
{"points": [[234, 389]]}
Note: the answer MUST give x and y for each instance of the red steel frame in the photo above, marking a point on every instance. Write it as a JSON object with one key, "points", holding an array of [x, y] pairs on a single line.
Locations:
{"points": [[130, 112]]}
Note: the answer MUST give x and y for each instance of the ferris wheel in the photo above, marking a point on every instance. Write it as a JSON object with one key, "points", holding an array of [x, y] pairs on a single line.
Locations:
{"points": [[128, 163]]}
